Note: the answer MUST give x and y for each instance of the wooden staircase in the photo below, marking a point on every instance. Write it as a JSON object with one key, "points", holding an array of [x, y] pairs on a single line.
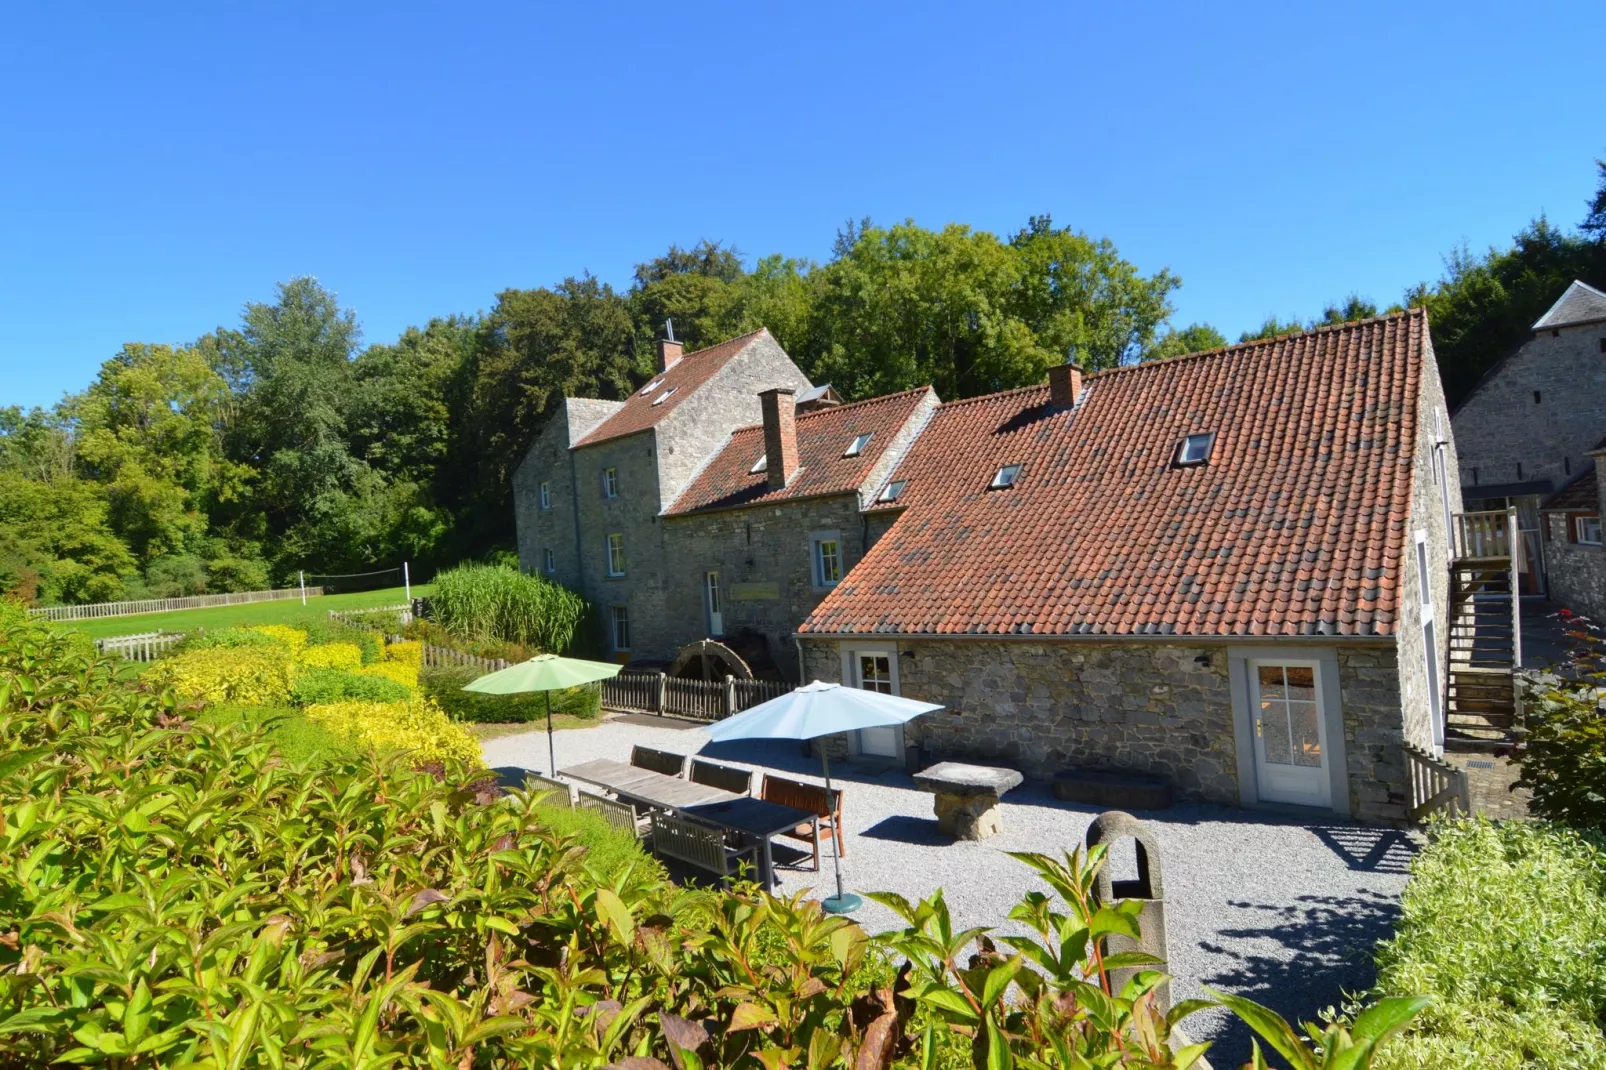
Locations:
{"points": [[1485, 635]]}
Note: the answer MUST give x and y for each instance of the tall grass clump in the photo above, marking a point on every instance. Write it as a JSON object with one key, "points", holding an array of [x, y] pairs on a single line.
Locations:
{"points": [[1504, 925], [493, 602]]}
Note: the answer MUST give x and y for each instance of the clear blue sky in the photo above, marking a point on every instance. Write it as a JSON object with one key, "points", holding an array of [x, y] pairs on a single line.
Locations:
{"points": [[165, 163]]}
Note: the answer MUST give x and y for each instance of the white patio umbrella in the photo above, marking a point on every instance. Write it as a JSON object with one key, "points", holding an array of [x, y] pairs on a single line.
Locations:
{"points": [[820, 709]]}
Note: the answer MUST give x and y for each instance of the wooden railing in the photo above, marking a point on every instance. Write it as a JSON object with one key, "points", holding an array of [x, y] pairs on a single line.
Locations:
{"points": [[703, 700], [1436, 785], [168, 605], [147, 646], [1491, 533]]}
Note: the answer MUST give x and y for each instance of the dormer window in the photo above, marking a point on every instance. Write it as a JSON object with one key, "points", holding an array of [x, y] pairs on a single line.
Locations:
{"points": [[891, 491], [661, 398], [856, 447], [650, 387], [759, 465], [1195, 449], [1005, 478]]}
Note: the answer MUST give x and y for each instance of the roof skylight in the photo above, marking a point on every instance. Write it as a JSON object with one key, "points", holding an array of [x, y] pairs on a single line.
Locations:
{"points": [[893, 490], [1005, 478], [650, 387], [661, 398], [1195, 449], [759, 465], [856, 447]]}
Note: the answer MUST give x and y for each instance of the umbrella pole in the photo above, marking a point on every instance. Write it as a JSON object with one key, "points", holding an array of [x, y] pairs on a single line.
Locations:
{"points": [[551, 748], [841, 903]]}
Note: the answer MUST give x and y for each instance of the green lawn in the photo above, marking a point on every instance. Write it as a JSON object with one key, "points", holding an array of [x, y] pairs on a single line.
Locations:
{"points": [[289, 611]]}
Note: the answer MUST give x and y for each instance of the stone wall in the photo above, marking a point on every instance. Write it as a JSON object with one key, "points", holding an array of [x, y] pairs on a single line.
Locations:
{"points": [[1133, 705], [1577, 571], [763, 555], [1501, 426], [548, 461]]}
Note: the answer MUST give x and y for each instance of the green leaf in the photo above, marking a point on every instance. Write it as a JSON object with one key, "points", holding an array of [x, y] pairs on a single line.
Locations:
{"points": [[1387, 1015], [998, 979], [1182, 1008], [1107, 921], [998, 1055], [946, 999], [1271, 1026], [613, 913], [751, 1016]]}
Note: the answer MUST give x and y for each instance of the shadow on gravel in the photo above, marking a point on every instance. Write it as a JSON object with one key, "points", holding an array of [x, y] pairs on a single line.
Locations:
{"points": [[1369, 850], [915, 831], [1298, 958]]}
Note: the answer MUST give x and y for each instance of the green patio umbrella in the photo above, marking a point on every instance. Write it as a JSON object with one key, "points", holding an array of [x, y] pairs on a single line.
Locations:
{"points": [[544, 672]]}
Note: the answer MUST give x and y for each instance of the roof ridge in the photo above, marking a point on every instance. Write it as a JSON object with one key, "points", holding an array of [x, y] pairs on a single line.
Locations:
{"points": [[716, 345], [878, 399], [993, 396], [1328, 328]]}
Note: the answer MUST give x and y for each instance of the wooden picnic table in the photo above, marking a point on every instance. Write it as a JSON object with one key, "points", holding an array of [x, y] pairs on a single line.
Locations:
{"points": [[712, 806]]}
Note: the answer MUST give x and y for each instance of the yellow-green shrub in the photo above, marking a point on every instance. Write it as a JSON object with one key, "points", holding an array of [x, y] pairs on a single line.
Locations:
{"points": [[407, 651], [293, 638], [420, 727], [254, 674], [332, 656], [399, 671]]}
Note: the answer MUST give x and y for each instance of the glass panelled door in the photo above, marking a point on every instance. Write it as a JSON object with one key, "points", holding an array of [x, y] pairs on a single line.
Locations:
{"points": [[1290, 738], [716, 617], [874, 671]]}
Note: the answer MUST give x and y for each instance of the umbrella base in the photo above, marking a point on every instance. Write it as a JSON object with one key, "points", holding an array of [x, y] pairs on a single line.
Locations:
{"points": [[846, 903]]}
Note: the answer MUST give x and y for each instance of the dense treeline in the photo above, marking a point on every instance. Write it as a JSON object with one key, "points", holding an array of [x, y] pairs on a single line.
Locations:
{"points": [[284, 443]]}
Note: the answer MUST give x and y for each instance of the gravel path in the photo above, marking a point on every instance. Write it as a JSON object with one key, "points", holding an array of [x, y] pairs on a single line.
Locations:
{"points": [[1282, 910]]}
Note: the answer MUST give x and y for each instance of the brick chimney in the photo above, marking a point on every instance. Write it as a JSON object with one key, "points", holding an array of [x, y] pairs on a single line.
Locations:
{"points": [[1064, 385], [668, 354], [780, 435]]}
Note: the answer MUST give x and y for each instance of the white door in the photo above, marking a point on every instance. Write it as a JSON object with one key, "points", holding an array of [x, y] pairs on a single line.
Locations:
{"points": [[1290, 738], [716, 618], [874, 673]]}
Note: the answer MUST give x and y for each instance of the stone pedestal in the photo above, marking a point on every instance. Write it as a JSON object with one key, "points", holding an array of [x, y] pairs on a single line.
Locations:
{"points": [[967, 797]]}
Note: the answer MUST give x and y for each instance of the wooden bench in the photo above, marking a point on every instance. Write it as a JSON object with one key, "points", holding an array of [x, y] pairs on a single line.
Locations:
{"points": [[659, 761], [812, 797], [698, 845], [557, 792], [620, 815], [725, 777]]}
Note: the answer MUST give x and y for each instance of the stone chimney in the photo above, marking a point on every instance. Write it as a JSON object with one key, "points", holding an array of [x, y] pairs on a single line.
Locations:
{"points": [[668, 354], [1064, 385], [780, 435]]}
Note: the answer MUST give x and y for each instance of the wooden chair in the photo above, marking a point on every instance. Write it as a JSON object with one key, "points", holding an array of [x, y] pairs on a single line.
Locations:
{"points": [[699, 845], [827, 805], [558, 793], [724, 777], [659, 761], [620, 815]]}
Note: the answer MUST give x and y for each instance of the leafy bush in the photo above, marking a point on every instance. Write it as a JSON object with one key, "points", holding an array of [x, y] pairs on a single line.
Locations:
{"points": [[610, 850], [294, 639], [418, 727], [318, 686], [228, 638], [445, 686], [407, 652], [371, 643], [491, 602], [1505, 926], [255, 674], [427, 631], [1562, 750], [333, 656], [398, 671]]}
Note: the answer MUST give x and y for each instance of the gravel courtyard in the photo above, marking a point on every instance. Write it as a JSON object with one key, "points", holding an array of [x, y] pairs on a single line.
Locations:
{"points": [[1283, 910]]}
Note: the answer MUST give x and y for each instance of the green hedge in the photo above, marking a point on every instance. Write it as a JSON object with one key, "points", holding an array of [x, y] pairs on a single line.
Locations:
{"points": [[445, 686], [610, 849], [1505, 926], [317, 685]]}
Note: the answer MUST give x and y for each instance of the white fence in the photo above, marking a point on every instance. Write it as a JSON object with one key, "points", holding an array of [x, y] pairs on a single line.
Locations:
{"points": [[703, 700], [167, 605], [1436, 785], [145, 647]]}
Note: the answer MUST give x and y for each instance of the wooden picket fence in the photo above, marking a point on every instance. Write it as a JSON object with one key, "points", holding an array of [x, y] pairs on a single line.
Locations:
{"points": [[147, 646], [702, 700], [167, 605], [1436, 785]]}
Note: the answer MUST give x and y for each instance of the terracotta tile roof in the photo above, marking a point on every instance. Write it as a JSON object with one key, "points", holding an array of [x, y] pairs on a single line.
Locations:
{"points": [[822, 435], [683, 378], [1296, 526], [1580, 495]]}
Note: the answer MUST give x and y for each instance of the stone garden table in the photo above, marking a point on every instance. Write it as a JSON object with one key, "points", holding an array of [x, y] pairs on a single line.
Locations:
{"points": [[967, 797]]}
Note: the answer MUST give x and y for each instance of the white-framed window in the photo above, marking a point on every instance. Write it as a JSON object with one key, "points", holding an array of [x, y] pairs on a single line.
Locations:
{"points": [[825, 548], [546, 495], [547, 561], [1195, 449], [1005, 477], [1430, 637], [661, 398], [616, 553], [610, 482], [759, 465], [619, 618], [892, 491], [650, 387], [856, 447], [1586, 530]]}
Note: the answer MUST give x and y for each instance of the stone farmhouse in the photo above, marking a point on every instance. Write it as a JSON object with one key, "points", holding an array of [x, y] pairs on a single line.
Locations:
{"points": [[1531, 435], [1224, 569], [1231, 569]]}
